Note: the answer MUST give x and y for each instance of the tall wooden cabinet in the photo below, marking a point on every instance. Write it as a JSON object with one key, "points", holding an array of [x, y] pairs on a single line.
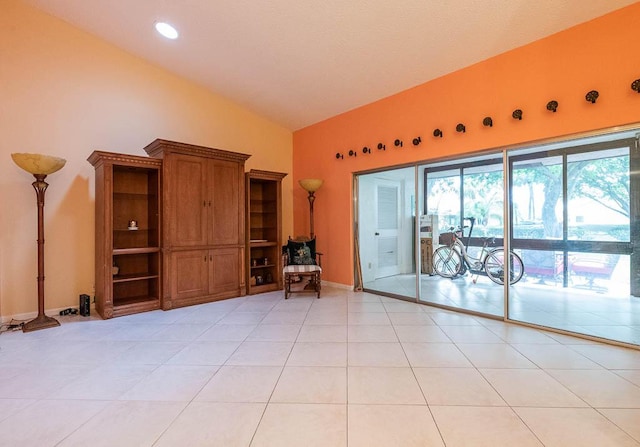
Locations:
{"points": [[264, 229], [203, 237], [128, 257]]}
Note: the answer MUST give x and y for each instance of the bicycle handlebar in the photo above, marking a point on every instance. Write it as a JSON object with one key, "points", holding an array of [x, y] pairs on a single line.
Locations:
{"points": [[461, 227]]}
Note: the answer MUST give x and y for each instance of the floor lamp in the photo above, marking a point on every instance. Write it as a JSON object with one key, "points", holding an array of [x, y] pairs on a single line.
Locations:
{"points": [[40, 166], [311, 185]]}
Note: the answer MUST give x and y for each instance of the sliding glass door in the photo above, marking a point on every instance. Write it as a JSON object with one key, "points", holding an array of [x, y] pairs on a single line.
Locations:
{"points": [[386, 232], [467, 199], [571, 222], [569, 211]]}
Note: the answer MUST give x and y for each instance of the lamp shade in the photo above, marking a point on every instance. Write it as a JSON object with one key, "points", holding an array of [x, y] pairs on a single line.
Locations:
{"points": [[38, 164], [310, 184]]}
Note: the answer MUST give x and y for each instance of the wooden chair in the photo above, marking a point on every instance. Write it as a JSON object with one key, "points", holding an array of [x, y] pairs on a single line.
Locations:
{"points": [[300, 260]]}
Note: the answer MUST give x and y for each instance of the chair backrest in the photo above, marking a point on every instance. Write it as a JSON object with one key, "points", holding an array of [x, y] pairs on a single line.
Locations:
{"points": [[301, 250], [300, 239]]}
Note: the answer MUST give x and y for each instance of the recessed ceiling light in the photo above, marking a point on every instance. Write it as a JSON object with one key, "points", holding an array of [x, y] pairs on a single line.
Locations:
{"points": [[166, 30]]}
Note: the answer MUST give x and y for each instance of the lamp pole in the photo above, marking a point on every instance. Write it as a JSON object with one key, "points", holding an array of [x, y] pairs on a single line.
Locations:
{"points": [[311, 185], [41, 321], [311, 198], [39, 166]]}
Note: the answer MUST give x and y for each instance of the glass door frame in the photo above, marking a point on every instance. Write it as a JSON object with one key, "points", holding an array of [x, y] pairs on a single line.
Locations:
{"points": [[356, 188]]}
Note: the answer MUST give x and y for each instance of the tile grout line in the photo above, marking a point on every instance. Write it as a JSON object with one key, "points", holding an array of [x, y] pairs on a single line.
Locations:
{"points": [[426, 401], [255, 432]]}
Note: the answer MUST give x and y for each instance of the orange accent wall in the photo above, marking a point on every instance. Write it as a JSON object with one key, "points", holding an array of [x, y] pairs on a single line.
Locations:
{"points": [[67, 93], [596, 55]]}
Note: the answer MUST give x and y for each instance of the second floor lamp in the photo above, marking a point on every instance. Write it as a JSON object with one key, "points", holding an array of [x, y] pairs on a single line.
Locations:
{"points": [[311, 185]]}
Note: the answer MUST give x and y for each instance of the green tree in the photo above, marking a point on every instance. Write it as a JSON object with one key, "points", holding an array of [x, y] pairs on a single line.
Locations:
{"points": [[606, 181], [483, 197], [603, 180]]}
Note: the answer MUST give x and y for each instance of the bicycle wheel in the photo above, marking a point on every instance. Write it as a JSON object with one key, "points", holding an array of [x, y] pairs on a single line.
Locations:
{"points": [[494, 266], [446, 262]]}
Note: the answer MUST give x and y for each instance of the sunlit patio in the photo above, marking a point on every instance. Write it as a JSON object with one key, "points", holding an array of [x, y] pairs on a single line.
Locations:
{"points": [[605, 310]]}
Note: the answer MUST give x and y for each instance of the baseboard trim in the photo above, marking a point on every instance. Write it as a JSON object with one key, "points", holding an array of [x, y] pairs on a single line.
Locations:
{"points": [[31, 315], [337, 285]]}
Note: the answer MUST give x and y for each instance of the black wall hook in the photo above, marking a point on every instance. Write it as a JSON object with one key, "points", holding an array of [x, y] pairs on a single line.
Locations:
{"points": [[381, 147], [487, 122], [635, 86], [437, 133], [366, 150], [339, 155], [592, 96], [517, 114], [460, 128], [397, 143], [552, 106], [353, 153], [417, 141]]}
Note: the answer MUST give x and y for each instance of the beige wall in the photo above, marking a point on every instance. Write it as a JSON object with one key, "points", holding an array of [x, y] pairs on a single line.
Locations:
{"points": [[66, 93]]}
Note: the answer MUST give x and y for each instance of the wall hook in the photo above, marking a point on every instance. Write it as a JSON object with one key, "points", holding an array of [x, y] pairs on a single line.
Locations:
{"points": [[592, 96], [552, 106], [397, 143], [460, 128], [437, 133], [366, 150], [487, 122], [381, 147], [635, 86], [417, 141], [339, 155], [353, 153], [517, 114]]}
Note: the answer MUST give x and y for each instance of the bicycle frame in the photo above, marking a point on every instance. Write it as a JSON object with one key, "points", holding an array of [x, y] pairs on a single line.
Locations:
{"points": [[474, 265], [489, 263]]}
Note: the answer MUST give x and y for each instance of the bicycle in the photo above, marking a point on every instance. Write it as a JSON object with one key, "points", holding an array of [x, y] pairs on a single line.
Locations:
{"points": [[452, 260]]}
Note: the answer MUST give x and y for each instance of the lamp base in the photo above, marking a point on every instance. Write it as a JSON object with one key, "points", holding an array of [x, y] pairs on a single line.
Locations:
{"points": [[40, 322]]}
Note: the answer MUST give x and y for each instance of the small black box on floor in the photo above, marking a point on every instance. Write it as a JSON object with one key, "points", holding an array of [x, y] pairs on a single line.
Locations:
{"points": [[85, 302]]}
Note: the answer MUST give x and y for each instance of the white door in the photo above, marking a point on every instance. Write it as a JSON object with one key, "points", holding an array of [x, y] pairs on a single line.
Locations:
{"points": [[387, 227]]}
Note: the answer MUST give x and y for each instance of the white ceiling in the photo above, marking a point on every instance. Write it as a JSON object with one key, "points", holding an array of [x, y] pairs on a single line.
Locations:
{"points": [[298, 62]]}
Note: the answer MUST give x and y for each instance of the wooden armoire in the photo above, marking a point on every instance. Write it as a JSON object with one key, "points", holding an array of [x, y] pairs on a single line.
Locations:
{"points": [[170, 228], [203, 239]]}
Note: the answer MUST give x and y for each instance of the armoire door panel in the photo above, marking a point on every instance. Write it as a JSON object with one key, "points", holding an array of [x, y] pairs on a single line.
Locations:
{"points": [[227, 204], [191, 273], [190, 202], [225, 272]]}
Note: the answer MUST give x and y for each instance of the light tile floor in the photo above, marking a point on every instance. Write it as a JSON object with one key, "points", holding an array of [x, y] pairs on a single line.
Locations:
{"points": [[350, 369]]}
